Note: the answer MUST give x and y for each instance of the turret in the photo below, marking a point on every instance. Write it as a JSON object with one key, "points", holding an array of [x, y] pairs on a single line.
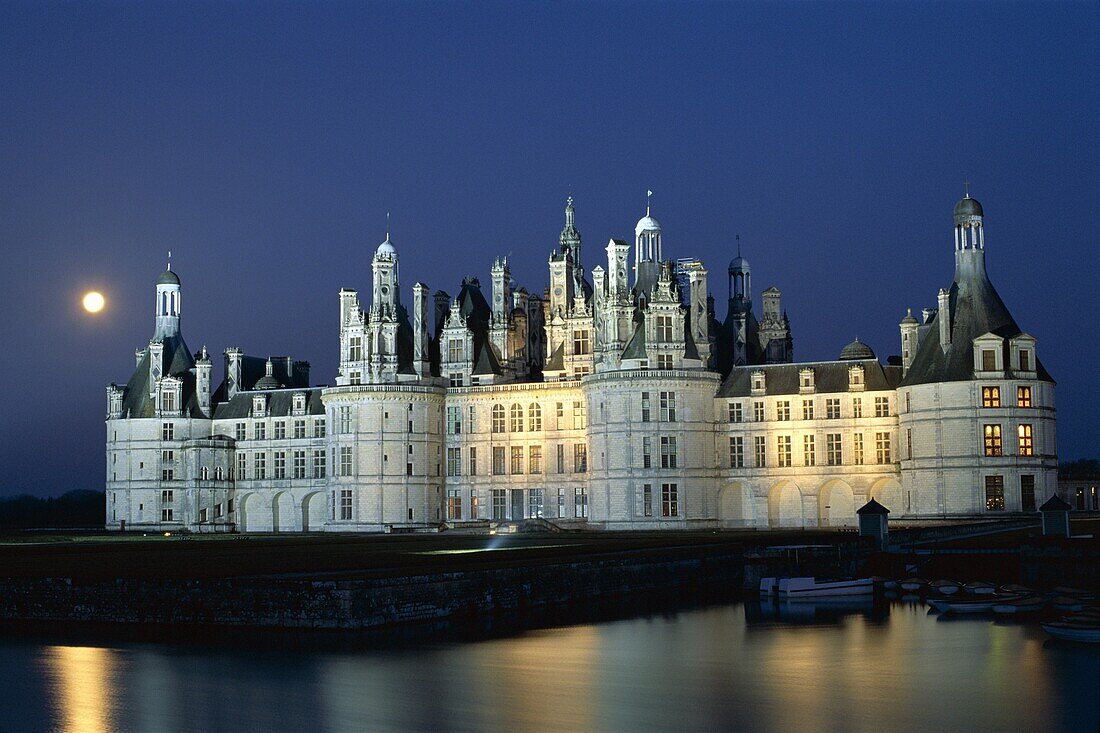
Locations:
{"points": [[168, 304], [385, 281], [909, 340], [647, 252]]}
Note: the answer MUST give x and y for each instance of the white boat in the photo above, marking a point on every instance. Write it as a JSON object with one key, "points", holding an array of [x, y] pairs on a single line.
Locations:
{"points": [[1070, 631], [969, 605], [1027, 604], [793, 588], [945, 587], [768, 586], [980, 588], [912, 584]]}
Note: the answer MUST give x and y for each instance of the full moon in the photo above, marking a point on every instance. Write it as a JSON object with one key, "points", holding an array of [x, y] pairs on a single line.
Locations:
{"points": [[94, 302]]}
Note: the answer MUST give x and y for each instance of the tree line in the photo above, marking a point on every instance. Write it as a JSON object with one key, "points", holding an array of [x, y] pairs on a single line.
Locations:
{"points": [[74, 509]]}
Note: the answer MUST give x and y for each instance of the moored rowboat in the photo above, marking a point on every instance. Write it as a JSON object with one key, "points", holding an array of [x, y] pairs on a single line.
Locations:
{"points": [[980, 588], [793, 588], [1070, 631], [968, 605], [945, 587], [912, 584], [1027, 604]]}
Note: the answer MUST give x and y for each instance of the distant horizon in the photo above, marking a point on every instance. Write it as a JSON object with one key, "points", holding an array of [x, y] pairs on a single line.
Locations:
{"points": [[264, 145]]}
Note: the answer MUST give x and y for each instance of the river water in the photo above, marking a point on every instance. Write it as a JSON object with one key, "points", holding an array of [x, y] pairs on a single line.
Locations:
{"points": [[891, 667]]}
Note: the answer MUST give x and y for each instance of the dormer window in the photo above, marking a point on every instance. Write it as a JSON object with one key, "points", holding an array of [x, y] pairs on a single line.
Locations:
{"points": [[355, 348], [806, 380], [855, 378], [758, 382], [299, 405], [1025, 360], [259, 406], [989, 360]]}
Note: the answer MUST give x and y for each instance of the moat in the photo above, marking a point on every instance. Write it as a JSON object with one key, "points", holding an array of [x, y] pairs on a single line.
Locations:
{"points": [[733, 666]]}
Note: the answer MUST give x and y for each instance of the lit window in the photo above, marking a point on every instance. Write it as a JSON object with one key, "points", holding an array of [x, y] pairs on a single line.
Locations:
{"points": [[783, 410], [783, 447], [516, 423], [991, 396], [882, 448], [833, 454], [994, 493], [534, 417], [832, 408], [1027, 447], [809, 450], [992, 438], [498, 418], [1023, 396]]}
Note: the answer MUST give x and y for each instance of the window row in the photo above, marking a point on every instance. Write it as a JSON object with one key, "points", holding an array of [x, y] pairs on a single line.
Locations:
{"points": [[993, 441], [518, 460], [297, 464], [516, 504], [281, 430], [991, 396], [784, 409], [785, 447]]}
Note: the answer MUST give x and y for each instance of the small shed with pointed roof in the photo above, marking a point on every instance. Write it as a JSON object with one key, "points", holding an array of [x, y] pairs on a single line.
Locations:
{"points": [[873, 521], [1055, 512]]}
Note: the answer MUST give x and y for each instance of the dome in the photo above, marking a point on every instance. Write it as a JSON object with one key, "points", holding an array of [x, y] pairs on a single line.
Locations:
{"points": [[739, 263], [647, 223], [968, 207], [856, 351], [267, 382], [909, 319], [386, 249], [168, 278]]}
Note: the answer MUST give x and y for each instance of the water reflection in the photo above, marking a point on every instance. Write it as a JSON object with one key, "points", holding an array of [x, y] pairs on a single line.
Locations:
{"points": [[855, 666]]}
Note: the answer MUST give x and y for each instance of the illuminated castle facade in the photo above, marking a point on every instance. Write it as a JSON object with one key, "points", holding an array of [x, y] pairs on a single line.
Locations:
{"points": [[614, 399]]}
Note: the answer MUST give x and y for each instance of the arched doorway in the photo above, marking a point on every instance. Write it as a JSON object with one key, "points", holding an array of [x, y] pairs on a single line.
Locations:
{"points": [[887, 492], [837, 505], [785, 506], [732, 505], [246, 505], [282, 513], [313, 512]]}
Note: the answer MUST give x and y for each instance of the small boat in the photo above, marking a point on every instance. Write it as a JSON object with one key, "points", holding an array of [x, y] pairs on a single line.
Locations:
{"points": [[967, 605], [1071, 631], [1026, 604], [889, 584], [945, 587], [913, 584], [980, 588], [1067, 603], [1016, 588], [769, 586], [1062, 590], [793, 588]]}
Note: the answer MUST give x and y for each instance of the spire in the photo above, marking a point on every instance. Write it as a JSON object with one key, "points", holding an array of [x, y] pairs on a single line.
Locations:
{"points": [[738, 238], [966, 188], [648, 196], [169, 260], [387, 226]]}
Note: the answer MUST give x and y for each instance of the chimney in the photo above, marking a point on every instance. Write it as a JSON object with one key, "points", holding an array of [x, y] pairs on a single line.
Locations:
{"points": [[203, 368], [943, 315], [233, 357], [420, 331]]}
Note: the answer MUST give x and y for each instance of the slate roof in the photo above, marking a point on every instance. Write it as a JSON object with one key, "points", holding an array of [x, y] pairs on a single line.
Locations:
{"points": [[976, 309], [279, 404], [829, 377], [635, 348], [179, 363], [556, 362]]}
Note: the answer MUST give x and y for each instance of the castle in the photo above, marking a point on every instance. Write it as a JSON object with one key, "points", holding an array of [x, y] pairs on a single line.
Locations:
{"points": [[615, 399]]}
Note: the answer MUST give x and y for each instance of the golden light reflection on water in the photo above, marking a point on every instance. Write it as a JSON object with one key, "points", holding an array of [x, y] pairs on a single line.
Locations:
{"points": [[84, 684]]}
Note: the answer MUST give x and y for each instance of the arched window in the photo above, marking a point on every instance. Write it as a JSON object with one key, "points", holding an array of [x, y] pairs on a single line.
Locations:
{"points": [[218, 473], [498, 418], [205, 472], [517, 418], [534, 414]]}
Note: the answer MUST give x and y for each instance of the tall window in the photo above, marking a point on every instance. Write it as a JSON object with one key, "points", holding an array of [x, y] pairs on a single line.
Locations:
{"points": [[857, 407], [758, 411], [991, 396], [832, 408], [454, 461], [668, 407], [1023, 434], [299, 429], [534, 459], [318, 464], [259, 431], [664, 328], [280, 430], [259, 464], [343, 417], [517, 459], [580, 458], [670, 504], [345, 504], [280, 464], [168, 431], [345, 460], [475, 505], [299, 464], [807, 409], [783, 448], [760, 451], [454, 420], [882, 407], [473, 462], [499, 498], [580, 415], [645, 406], [454, 504], [994, 493], [561, 503], [1025, 361], [1027, 492], [580, 341], [471, 420], [809, 450], [989, 360], [647, 452], [909, 443], [455, 350], [498, 460], [498, 418], [1023, 396], [534, 417], [580, 502], [857, 449], [992, 437], [737, 452], [647, 500], [535, 503], [783, 410], [561, 458], [516, 422], [882, 447], [355, 348], [559, 416], [319, 428], [668, 452], [735, 412], [242, 466], [833, 453]]}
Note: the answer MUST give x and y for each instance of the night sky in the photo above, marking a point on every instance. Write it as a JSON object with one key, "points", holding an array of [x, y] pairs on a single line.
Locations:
{"points": [[264, 143]]}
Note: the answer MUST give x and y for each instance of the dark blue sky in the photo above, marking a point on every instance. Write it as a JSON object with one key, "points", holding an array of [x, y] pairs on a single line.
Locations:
{"points": [[264, 143]]}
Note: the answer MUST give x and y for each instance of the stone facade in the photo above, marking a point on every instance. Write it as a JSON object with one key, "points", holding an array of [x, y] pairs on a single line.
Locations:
{"points": [[619, 402]]}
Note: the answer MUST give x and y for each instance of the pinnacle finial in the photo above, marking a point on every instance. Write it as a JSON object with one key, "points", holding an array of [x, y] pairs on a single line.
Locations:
{"points": [[738, 238], [169, 260], [648, 196], [387, 226], [966, 187]]}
